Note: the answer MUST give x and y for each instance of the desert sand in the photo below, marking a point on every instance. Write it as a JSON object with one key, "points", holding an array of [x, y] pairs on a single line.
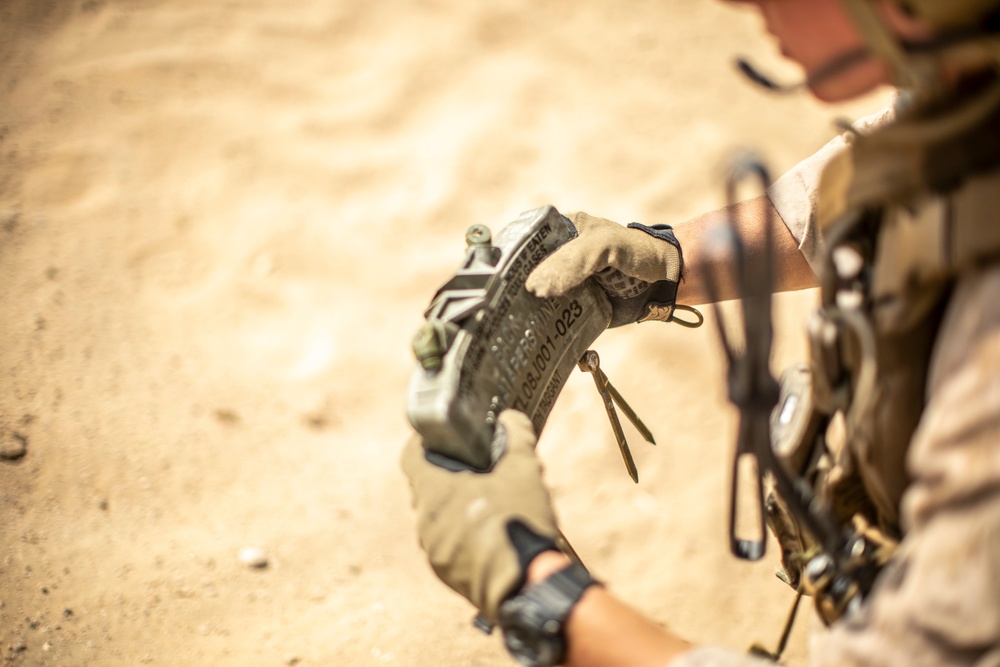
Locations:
{"points": [[220, 223]]}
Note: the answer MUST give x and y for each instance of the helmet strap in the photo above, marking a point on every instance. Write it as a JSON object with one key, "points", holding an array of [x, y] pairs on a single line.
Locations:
{"points": [[907, 71]]}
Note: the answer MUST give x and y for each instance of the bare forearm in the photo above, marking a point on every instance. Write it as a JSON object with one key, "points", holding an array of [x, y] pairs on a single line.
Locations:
{"points": [[791, 271], [604, 632]]}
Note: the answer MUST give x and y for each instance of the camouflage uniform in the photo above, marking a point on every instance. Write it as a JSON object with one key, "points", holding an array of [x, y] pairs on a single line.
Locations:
{"points": [[938, 601]]}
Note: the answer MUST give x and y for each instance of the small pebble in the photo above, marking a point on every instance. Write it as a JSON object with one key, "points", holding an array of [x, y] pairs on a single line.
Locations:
{"points": [[46, 646], [13, 448], [253, 557]]}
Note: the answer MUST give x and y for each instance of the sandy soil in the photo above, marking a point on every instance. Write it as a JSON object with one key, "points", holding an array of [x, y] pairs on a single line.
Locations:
{"points": [[219, 225]]}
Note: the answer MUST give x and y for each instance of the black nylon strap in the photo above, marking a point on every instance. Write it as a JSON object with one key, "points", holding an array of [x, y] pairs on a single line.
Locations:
{"points": [[571, 582]]}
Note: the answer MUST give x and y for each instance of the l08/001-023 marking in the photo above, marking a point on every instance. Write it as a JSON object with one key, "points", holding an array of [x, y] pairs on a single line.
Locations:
{"points": [[540, 361]]}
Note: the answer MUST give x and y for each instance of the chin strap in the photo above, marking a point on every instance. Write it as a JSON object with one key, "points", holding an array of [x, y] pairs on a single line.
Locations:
{"points": [[916, 66], [885, 45], [834, 68], [924, 66]]}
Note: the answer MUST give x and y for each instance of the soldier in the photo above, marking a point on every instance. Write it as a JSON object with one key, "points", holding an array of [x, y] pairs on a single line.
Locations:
{"points": [[895, 222]]}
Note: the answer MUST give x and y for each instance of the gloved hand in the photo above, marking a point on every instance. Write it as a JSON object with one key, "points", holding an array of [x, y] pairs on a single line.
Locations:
{"points": [[636, 265], [481, 529]]}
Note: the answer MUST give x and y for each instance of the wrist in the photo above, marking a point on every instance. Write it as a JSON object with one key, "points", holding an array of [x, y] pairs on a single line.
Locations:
{"points": [[534, 620], [545, 564]]}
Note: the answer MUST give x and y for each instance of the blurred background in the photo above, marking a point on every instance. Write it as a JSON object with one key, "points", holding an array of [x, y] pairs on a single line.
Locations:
{"points": [[220, 223]]}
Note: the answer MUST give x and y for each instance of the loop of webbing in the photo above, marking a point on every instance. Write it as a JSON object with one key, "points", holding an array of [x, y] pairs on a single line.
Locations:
{"points": [[690, 324]]}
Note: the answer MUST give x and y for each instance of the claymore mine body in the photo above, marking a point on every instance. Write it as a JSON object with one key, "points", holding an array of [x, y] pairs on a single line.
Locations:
{"points": [[488, 344]]}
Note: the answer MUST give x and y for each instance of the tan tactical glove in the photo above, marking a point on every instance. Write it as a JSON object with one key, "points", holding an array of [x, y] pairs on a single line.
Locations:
{"points": [[638, 266], [481, 529]]}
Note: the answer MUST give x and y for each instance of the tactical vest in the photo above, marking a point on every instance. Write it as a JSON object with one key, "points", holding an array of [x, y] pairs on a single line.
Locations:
{"points": [[904, 212]]}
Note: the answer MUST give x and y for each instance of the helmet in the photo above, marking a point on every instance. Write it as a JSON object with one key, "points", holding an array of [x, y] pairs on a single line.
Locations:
{"points": [[967, 36], [950, 13]]}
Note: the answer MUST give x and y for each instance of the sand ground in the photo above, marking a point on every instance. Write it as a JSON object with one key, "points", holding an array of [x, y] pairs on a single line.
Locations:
{"points": [[219, 225]]}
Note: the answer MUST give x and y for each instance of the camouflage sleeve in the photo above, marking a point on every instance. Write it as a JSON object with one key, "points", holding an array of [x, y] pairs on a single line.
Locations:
{"points": [[794, 194], [939, 602]]}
